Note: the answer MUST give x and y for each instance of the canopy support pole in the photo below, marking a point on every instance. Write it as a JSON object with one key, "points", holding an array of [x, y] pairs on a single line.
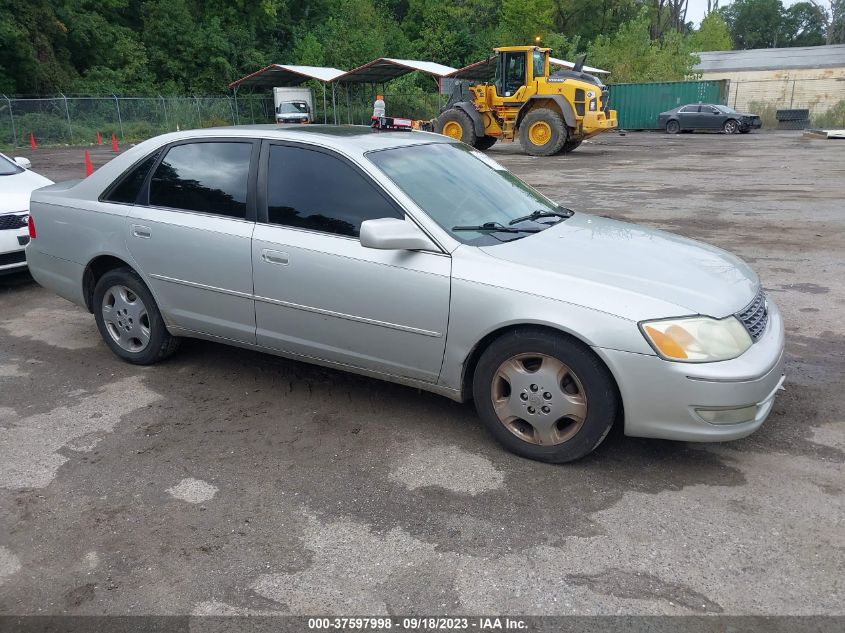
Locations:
{"points": [[334, 103], [325, 113], [348, 108]]}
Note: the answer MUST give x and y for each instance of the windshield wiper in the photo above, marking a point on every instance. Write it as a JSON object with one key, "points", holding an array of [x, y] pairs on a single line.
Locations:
{"points": [[543, 213], [494, 227]]}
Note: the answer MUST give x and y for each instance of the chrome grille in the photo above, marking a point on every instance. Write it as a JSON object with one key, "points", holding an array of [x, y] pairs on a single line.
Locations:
{"points": [[12, 221], [755, 316]]}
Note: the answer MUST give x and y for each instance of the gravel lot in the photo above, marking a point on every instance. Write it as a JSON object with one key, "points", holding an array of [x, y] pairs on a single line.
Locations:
{"points": [[226, 481]]}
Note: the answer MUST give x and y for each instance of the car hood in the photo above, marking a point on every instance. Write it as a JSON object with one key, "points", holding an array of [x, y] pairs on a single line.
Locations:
{"points": [[699, 278], [15, 190]]}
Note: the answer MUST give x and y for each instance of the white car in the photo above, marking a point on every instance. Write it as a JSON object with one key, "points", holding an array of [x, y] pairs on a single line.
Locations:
{"points": [[16, 185]]}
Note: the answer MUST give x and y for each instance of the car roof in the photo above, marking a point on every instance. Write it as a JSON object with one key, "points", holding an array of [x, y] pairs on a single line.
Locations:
{"points": [[349, 139]]}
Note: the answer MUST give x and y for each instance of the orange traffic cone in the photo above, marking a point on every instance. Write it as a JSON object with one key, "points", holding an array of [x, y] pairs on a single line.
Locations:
{"points": [[99, 139], [32, 141], [113, 142], [89, 168]]}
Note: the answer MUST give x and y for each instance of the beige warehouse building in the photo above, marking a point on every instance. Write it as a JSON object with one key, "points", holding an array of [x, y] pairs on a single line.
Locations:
{"points": [[810, 77]]}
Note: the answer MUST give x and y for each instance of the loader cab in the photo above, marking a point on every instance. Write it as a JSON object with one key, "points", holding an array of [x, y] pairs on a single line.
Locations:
{"points": [[518, 66]]}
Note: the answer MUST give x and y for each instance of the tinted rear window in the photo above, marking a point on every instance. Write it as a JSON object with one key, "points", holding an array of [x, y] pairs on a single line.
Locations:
{"points": [[207, 177]]}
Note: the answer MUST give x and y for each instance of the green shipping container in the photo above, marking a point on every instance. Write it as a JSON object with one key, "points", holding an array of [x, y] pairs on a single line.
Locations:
{"points": [[637, 105]]}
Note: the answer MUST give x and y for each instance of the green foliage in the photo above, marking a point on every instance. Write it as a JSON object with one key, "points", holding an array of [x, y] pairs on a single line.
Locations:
{"points": [[767, 24], [834, 118], [631, 55], [521, 21], [712, 34], [766, 111], [152, 47], [805, 23], [755, 23]]}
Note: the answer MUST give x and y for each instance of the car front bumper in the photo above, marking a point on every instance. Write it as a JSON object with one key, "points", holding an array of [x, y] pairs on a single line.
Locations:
{"points": [[12, 243], [664, 399]]}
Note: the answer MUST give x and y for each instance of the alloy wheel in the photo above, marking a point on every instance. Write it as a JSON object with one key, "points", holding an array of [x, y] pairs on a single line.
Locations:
{"points": [[126, 318]]}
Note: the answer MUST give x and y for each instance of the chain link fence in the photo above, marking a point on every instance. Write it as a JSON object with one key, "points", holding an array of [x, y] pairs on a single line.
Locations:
{"points": [[72, 120], [824, 98]]}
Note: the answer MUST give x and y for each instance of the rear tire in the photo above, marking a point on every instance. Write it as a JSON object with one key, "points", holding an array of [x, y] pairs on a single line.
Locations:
{"points": [[485, 142], [570, 146], [457, 124], [543, 132], [673, 127], [129, 319], [544, 396]]}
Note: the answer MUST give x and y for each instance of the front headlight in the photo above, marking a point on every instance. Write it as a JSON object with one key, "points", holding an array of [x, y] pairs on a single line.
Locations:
{"points": [[697, 339]]}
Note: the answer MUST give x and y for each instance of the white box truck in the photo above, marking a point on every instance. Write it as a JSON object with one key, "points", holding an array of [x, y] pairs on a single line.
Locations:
{"points": [[293, 105]]}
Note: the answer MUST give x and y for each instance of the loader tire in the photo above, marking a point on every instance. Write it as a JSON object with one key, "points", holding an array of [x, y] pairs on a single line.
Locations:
{"points": [[456, 124], [571, 145], [543, 132], [485, 142]]}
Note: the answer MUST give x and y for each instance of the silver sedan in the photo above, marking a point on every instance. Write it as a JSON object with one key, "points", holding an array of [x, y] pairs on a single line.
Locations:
{"points": [[413, 258]]}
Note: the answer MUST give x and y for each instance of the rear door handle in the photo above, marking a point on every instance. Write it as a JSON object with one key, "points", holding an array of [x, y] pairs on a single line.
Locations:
{"points": [[141, 231], [274, 257]]}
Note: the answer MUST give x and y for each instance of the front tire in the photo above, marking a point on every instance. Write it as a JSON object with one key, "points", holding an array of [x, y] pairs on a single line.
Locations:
{"points": [[731, 127], [129, 319], [457, 124], [673, 127], [544, 396], [542, 132]]}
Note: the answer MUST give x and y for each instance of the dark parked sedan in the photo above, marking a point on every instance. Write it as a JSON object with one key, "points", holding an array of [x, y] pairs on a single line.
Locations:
{"points": [[704, 116]]}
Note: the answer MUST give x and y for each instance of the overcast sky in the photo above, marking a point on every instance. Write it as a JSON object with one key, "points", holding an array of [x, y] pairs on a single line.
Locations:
{"points": [[697, 8]]}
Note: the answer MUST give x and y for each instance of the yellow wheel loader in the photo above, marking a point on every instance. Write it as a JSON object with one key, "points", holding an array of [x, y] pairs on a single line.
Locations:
{"points": [[550, 114]]}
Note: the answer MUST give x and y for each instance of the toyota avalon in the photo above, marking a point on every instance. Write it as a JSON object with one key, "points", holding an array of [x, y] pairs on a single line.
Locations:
{"points": [[413, 258]]}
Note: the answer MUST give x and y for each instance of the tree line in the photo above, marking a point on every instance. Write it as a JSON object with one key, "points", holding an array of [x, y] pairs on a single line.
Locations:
{"points": [[200, 46]]}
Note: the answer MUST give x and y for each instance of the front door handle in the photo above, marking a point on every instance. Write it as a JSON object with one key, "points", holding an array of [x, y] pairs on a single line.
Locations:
{"points": [[141, 231], [274, 257]]}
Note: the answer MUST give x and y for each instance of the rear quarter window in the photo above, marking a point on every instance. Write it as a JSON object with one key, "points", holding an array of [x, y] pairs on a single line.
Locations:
{"points": [[127, 188]]}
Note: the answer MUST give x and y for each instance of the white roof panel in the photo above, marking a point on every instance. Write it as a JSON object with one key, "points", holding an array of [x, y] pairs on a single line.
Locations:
{"points": [[287, 75], [432, 68], [322, 73]]}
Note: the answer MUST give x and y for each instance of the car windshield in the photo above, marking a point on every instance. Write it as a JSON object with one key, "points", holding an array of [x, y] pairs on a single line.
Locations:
{"points": [[292, 108], [8, 167], [725, 109], [458, 186]]}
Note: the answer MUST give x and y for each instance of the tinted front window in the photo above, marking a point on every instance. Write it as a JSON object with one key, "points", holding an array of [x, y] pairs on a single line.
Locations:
{"points": [[127, 189], [458, 186], [206, 177], [313, 190]]}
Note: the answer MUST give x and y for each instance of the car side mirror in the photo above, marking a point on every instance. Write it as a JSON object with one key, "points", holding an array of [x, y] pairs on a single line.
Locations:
{"points": [[23, 162], [394, 234]]}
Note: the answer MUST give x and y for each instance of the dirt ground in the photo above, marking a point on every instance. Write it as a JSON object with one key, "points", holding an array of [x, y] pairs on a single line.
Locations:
{"points": [[226, 481]]}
